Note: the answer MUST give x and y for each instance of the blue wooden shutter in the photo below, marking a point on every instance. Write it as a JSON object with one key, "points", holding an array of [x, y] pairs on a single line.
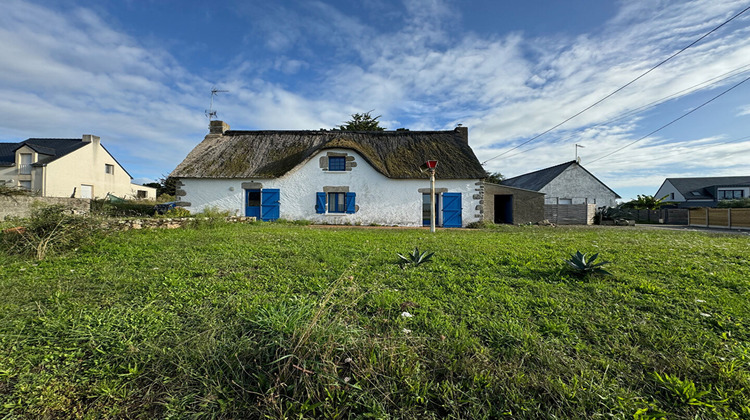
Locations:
{"points": [[350, 205], [269, 204], [451, 210], [320, 202]]}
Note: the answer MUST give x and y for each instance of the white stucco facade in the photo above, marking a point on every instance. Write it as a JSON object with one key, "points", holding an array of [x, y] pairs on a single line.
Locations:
{"points": [[379, 200], [672, 194], [577, 186]]}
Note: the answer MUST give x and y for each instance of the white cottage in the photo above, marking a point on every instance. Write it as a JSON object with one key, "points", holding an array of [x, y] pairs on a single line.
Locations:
{"points": [[333, 177]]}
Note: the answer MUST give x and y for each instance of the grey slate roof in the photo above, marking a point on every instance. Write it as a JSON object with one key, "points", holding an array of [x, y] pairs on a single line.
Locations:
{"points": [[705, 188], [50, 148], [536, 180], [271, 154]]}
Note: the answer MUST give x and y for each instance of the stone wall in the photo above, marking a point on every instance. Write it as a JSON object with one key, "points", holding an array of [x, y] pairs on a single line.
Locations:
{"points": [[20, 205], [163, 223]]}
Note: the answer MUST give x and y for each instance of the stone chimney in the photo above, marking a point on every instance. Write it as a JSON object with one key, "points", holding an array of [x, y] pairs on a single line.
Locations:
{"points": [[90, 138], [217, 127], [463, 132]]}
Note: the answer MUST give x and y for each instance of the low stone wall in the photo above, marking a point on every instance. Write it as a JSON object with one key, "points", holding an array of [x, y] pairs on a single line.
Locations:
{"points": [[164, 223], [20, 205]]}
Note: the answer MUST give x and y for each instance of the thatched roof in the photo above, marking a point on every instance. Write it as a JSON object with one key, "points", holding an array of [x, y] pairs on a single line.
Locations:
{"points": [[270, 154]]}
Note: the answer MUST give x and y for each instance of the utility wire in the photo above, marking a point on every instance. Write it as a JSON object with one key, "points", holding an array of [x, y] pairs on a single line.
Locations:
{"points": [[621, 87], [673, 121], [694, 150], [708, 82]]}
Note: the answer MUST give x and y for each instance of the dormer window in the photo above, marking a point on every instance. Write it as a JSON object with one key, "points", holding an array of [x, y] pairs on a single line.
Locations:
{"points": [[337, 163], [109, 169]]}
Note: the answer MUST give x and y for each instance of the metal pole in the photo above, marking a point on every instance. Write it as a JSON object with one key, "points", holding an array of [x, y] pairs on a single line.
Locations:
{"points": [[432, 200]]}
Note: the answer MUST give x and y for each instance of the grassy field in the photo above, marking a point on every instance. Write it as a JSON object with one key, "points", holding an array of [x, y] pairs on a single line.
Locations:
{"points": [[285, 321]]}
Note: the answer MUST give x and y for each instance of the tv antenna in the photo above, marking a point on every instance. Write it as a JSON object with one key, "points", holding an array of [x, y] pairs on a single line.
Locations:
{"points": [[210, 113]]}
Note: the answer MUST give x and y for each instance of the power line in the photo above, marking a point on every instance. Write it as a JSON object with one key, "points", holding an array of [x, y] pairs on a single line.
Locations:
{"points": [[708, 82], [673, 121], [621, 87], [694, 150]]}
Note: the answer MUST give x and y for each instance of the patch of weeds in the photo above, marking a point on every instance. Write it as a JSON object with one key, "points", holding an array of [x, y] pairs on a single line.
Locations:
{"points": [[210, 217], [175, 213], [49, 228]]}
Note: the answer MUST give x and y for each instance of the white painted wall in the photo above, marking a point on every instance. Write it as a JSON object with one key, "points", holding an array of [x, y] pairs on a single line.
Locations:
{"points": [[578, 185], [668, 189], [380, 199]]}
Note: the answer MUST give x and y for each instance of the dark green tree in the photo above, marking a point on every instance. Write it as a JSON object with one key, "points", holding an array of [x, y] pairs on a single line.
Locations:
{"points": [[645, 202], [362, 122], [166, 185], [494, 177]]}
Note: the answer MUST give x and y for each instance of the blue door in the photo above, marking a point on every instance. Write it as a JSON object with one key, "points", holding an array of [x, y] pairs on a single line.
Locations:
{"points": [[452, 210], [262, 204], [269, 204], [252, 203]]}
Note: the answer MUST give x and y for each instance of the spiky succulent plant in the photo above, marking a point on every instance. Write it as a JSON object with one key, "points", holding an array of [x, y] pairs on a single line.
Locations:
{"points": [[580, 264], [415, 258]]}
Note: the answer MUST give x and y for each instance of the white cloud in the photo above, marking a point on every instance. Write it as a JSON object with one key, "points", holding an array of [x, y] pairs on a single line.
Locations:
{"points": [[76, 74]]}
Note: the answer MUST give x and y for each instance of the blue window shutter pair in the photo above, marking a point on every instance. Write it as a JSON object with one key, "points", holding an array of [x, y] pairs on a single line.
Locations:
{"points": [[320, 202]]}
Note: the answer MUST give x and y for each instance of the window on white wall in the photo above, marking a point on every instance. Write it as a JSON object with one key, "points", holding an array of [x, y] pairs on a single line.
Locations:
{"points": [[335, 202], [337, 163], [109, 169], [25, 164]]}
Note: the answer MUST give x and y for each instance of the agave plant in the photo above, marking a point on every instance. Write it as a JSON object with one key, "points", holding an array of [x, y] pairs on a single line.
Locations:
{"points": [[415, 258], [580, 264]]}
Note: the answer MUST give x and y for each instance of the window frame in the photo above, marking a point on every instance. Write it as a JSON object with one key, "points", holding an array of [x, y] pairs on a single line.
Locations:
{"points": [[340, 163], [723, 194], [334, 201], [109, 169]]}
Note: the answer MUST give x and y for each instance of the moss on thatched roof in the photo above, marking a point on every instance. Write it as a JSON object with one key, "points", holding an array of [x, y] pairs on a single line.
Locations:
{"points": [[271, 154]]}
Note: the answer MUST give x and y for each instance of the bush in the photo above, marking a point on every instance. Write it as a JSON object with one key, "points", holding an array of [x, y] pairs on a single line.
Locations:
{"points": [[482, 224], [741, 203], [50, 228], [176, 213], [125, 209]]}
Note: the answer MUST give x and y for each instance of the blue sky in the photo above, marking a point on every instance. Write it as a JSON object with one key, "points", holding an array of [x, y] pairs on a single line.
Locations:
{"points": [[138, 73]]}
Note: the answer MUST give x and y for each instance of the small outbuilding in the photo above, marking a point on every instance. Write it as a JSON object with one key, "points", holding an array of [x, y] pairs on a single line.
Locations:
{"points": [[566, 183], [504, 204]]}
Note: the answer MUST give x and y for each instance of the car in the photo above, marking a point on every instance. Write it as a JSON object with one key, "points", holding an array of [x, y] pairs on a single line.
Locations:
{"points": [[162, 208]]}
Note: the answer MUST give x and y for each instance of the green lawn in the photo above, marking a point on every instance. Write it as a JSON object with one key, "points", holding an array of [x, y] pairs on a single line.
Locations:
{"points": [[278, 320]]}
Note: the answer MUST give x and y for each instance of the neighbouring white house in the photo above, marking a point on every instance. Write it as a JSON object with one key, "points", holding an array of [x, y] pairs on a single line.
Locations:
{"points": [[566, 183], [703, 192], [334, 177], [80, 168]]}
